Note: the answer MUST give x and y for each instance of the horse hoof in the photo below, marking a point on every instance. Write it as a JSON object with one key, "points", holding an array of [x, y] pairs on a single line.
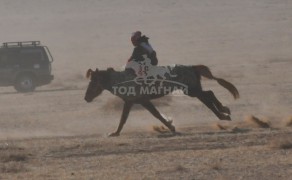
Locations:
{"points": [[172, 128], [113, 134], [228, 118], [170, 121], [226, 110], [225, 117]]}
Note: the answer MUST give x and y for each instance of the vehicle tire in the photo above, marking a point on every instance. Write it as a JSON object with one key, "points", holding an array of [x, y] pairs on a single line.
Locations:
{"points": [[25, 83]]}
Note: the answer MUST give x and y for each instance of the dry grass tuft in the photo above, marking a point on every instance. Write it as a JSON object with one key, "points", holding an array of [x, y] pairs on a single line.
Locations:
{"points": [[12, 160], [181, 168], [260, 123], [216, 165], [8, 157], [286, 145], [12, 167], [12, 153]]}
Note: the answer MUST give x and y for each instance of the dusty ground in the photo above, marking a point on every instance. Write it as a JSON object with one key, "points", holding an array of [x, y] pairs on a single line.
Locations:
{"points": [[53, 134], [198, 153]]}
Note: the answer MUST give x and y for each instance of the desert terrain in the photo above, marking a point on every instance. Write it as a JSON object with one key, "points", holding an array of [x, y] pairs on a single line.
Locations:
{"points": [[53, 133]]}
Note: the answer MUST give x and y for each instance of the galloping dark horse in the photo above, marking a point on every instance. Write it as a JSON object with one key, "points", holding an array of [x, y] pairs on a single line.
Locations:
{"points": [[188, 78]]}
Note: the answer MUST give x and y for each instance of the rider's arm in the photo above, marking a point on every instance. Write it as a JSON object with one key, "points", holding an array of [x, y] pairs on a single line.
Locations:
{"points": [[134, 54], [154, 60], [137, 54]]}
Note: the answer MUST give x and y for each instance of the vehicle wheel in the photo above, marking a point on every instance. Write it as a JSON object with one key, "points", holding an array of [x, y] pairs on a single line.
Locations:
{"points": [[25, 83]]}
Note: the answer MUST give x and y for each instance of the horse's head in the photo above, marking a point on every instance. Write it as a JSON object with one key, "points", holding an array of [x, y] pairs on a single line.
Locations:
{"points": [[95, 86]]}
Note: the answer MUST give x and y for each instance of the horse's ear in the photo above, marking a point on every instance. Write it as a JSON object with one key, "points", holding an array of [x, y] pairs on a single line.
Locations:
{"points": [[88, 73], [96, 70]]}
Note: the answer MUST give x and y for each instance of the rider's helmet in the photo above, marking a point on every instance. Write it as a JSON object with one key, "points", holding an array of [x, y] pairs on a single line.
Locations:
{"points": [[135, 38]]}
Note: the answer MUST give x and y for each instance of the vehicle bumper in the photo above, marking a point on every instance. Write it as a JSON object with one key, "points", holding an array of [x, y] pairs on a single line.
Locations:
{"points": [[45, 80]]}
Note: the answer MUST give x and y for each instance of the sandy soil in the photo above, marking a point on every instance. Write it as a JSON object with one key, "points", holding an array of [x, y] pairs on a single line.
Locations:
{"points": [[54, 134]]}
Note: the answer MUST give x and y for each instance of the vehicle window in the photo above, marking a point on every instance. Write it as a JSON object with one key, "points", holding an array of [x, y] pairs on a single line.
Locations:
{"points": [[32, 55], [8, 58], [3, 60]]}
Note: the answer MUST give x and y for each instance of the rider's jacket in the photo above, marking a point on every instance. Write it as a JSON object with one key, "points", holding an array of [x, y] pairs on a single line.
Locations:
{"points": [[143, 48]]}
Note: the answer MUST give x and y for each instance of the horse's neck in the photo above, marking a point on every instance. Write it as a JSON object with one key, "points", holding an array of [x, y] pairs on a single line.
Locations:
{"points": [[118, 77]]}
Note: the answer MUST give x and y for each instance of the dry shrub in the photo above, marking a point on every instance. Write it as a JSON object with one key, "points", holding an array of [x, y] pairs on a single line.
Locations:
{"points": [[281, 143], [286, 145], [260, 123]]}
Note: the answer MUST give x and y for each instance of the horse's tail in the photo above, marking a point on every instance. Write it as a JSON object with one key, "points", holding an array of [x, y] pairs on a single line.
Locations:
{"points": [[205, 72]]}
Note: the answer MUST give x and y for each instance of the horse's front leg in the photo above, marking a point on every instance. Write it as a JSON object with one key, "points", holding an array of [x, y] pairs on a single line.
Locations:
{"points": [[151, 108], [124, 117]]}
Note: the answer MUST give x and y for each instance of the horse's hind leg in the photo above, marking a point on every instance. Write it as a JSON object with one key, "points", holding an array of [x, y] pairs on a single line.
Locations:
{"points": [[151, 108], [210, 104], [217, 103], [209, 101]]}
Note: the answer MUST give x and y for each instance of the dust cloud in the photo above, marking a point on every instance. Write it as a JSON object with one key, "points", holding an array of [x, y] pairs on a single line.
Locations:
{"points": [[245, 42]]}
